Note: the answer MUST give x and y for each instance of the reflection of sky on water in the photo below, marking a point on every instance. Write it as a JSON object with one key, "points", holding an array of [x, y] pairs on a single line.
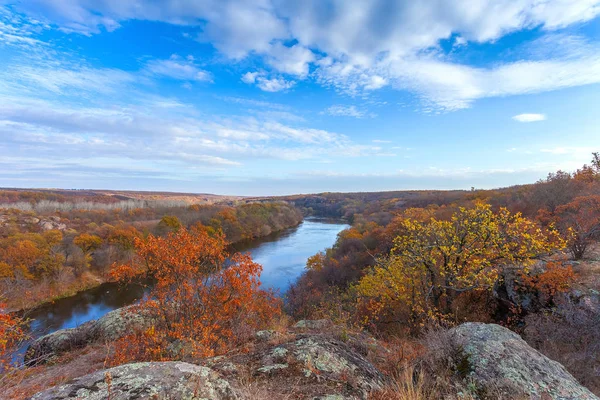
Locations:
{"points": [[282, 255], [284, 260]]}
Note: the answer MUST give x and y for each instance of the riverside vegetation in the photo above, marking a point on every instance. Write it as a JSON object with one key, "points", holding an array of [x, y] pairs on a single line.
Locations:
{"points": [[55, 246], [454, 295]]}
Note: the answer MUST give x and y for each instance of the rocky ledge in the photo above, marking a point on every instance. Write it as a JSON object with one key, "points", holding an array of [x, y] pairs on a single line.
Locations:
{"points": [[111, 326], [150, 380], [308, 362]]}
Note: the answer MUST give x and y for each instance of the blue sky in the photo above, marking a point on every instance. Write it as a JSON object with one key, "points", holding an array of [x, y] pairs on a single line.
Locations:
{"points": [[276, 96]]}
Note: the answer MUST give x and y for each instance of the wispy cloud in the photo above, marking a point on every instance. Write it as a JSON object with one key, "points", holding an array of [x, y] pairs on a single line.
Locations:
{"points": [[529, 117], [254, 102], [348, 111], [178, 68]]}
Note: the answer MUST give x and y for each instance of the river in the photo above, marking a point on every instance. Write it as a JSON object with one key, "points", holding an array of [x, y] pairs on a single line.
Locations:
{"points": [[283, 256]]}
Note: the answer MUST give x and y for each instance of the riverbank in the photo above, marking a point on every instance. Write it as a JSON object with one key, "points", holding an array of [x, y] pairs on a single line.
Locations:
{"points": [[282, 255], [43, 294]]}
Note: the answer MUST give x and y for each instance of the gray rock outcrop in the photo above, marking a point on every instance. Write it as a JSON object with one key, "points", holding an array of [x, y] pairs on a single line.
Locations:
{"points": [[487, 360], [497, 360], [111, 326], [150, 380], [312, 363]]}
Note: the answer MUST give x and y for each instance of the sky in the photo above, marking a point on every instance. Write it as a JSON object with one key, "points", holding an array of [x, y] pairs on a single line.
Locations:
{"points": [[269, 97]]}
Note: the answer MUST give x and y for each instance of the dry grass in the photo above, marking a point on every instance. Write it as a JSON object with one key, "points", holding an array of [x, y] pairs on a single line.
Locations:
{"points": [[249, 388], [22, 384], [408, 385], [571, 336], [430, 368]]}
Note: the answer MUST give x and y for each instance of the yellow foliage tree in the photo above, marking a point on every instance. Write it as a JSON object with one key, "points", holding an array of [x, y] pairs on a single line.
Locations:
{"points": [[433, 261]]}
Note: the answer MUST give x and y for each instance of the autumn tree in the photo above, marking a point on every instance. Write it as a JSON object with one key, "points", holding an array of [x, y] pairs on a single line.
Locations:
{"points": [[434, 260], [123, 237], [87, 243], [168, 223], [546, 282], [557, 189], [580, 222], [596, 161], [203, 302], [12, 332]]}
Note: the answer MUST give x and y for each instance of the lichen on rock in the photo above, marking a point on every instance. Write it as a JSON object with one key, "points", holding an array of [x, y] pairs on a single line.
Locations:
{"points": [[498, 360], [149, 380], [110, 327]]}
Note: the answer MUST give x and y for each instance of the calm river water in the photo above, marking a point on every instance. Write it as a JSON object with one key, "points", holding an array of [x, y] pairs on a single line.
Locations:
{"points": [[283, 256]]}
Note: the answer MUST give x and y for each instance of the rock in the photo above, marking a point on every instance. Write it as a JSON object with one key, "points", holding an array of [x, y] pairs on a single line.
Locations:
{"points": [[265, 335], [268, 369], [149, 380], [513, 291], [31, 220], [317, 324], [498, 360], [118, 323], [311, 363], [331, 359], [111, 326], [52, 223]]}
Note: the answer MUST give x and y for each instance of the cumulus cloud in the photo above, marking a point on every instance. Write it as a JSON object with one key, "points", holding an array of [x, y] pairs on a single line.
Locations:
{"points": [[529, 117], [266, 84], [358, 46], [292, 60], [250, 77], [273, 84]]}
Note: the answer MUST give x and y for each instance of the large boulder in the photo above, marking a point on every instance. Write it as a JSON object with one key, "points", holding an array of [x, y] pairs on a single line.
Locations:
{"points": [[497, 360], [150, 380], [111, 326]]}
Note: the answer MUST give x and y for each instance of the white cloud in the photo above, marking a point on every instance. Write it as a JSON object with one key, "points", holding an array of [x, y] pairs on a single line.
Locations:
{"points": [[360, 30], [346, 111], [63, 77], [266, 84], [160, 131], [529, 117], [375, 82], [292, 60], [365, 46], [250, 77], [254, 103], [179, 69], [274, 84]]}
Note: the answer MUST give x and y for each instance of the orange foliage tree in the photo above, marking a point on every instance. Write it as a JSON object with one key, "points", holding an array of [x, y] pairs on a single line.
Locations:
{"points": [[580, 221], [203, 302], [12, 331], [554, 278]]}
